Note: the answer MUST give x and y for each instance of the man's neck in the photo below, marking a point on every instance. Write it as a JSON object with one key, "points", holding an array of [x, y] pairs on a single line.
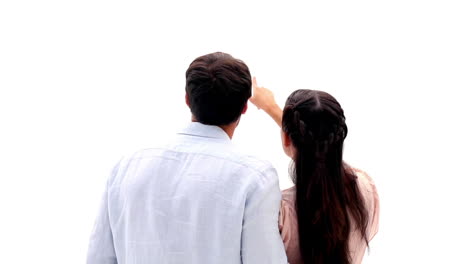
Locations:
{"points": [[229, 129]]}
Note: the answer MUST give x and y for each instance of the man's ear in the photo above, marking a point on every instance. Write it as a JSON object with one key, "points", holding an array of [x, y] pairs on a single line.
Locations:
{"points": [[187, 100], [245, 108]]}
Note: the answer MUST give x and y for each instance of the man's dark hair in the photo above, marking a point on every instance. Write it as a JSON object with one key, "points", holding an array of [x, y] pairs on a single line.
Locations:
{"points": [[218, 87]]}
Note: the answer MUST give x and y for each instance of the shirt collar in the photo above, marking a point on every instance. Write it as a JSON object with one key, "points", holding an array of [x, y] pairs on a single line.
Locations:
{"points": [[201, 130]]}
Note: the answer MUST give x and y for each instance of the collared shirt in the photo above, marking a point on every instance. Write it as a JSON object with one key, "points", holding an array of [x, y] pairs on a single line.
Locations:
{"points": [[196, 200]]}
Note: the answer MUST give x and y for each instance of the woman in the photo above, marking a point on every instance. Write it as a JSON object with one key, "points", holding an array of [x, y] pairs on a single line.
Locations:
{"points": [[332, 212]]}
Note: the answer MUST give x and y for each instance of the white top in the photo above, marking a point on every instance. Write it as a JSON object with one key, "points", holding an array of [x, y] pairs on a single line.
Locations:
{"points": [[197, 200]]}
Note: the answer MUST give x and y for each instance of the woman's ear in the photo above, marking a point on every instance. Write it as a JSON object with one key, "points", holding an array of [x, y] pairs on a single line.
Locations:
{"points": [[187, 100], [245, 108], [288, 147]]}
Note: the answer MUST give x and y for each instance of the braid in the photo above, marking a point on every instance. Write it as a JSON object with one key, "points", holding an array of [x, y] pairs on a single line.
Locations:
{"points": [[304, 136]]}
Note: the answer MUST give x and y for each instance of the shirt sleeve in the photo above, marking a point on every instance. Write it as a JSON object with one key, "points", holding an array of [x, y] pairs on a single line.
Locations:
{"points": [[261, 240], [101, 244], [289, 232], [374, 228], [369, 191]]}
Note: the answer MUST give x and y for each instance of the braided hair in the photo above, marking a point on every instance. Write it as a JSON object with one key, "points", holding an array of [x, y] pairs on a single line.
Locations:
{"points": [[327, 194]]}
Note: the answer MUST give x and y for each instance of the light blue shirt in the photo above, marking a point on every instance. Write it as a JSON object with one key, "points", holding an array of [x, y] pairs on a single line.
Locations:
{"points": [[197, 200]]}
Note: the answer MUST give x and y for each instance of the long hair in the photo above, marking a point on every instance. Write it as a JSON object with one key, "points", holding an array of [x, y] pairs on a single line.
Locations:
{"points": [[327, 193]]}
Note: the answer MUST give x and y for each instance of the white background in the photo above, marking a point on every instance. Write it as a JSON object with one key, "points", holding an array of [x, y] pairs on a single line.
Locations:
{"points": [[84, 82]]}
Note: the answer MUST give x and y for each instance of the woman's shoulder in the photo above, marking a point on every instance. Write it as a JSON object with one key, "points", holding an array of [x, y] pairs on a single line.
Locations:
{"points": [[363, 178], [371, 196], [367, 188]]}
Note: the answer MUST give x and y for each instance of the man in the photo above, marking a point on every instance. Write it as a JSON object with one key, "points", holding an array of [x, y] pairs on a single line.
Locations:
{"points": [[196, 200]]}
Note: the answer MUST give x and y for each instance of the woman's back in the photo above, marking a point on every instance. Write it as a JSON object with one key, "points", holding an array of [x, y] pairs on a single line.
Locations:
{"points": [[357, 245], [332, 212]]}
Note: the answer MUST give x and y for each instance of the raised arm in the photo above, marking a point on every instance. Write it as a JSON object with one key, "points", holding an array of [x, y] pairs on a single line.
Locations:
{"points": [[264, 99]]}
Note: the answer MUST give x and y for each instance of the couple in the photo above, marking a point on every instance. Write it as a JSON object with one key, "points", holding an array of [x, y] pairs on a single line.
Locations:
{"points": [[199, 200]]}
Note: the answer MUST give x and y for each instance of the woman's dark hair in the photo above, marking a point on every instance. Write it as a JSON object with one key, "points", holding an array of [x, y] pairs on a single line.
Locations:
{"points": [[327, 193], [218, 87]]}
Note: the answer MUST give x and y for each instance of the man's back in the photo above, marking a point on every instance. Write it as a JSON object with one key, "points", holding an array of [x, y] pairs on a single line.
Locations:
{"points": [[194, 201]]}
